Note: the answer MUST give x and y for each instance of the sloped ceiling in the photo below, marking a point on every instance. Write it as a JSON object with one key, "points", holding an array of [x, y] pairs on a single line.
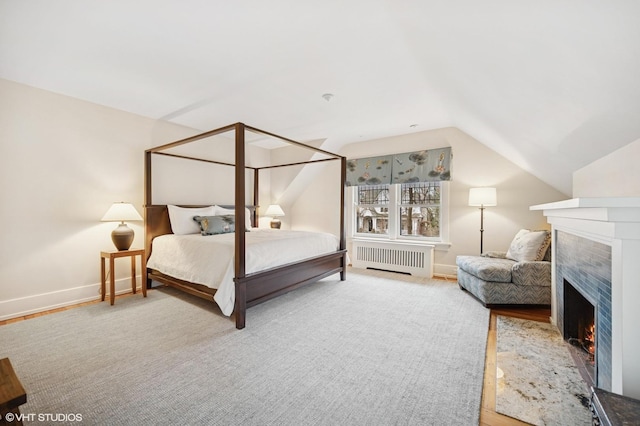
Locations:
{"points": [[552, 85]]}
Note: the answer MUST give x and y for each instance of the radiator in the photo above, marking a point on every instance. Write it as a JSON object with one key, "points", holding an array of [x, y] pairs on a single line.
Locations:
{"points": [[413, 258]]}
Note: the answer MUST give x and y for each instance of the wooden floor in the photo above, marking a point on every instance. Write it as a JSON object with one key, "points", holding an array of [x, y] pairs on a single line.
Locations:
{"points": [[65, 308], [488, 414]]}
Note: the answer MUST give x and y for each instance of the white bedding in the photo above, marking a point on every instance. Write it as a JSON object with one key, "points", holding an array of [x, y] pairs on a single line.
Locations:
{"points": [[209, 260]]}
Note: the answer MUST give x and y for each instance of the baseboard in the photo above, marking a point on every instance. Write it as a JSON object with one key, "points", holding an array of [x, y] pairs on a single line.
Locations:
{"points": [[440, 270], [448, 271], [22, 306]]}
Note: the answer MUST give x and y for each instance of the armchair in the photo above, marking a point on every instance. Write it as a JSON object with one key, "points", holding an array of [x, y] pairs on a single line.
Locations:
{"points": [[520, 276]]}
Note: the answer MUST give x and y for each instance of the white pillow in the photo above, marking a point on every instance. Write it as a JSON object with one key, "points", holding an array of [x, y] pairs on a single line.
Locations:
{"points": [[529, 245], [181, 218], [221, 211]]}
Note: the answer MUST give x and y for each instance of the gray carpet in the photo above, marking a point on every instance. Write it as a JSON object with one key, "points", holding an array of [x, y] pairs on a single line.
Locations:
{"points": [[378, 349]]}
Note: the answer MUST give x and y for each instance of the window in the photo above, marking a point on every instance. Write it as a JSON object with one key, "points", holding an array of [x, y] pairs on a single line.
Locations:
{"points": [[420, 209], [373, 209], [406, 211]]}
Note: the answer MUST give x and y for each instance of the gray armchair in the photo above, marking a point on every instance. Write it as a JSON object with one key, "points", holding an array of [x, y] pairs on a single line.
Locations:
{"points": [[497, 279]]}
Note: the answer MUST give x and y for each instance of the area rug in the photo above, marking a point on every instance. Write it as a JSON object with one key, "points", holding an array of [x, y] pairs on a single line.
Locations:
{"points": [[379, 348], [540, 383]]}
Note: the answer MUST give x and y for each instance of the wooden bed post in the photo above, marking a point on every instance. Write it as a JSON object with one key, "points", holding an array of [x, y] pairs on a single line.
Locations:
{"points": [[343, 245], [147, 178], [256, 196], [241, 291], [240, 202], [241, 304], [147, 202]]}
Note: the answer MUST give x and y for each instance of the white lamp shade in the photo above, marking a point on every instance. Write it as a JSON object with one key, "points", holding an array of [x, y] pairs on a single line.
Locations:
{"points": [[274, 210], [119, 212], [483, 197]]}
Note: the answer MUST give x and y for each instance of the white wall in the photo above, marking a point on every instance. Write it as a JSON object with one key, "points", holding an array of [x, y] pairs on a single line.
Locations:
{"points": [[473, 165], [188, 182], [287, 183], [614, 175], [63, 162], [185, 181], [317, 208]]}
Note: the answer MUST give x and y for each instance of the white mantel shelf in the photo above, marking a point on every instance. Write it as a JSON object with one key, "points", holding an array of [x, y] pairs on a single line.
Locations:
{"points": [[614, 221], [601, 202], [604, 218]]}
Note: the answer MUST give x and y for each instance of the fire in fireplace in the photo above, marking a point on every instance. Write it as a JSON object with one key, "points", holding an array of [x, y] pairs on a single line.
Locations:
{"points": [[580, 332], [589, 344]]}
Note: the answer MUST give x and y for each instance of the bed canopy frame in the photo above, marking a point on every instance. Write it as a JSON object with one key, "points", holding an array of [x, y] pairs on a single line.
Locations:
{"points": [[250, 289]]}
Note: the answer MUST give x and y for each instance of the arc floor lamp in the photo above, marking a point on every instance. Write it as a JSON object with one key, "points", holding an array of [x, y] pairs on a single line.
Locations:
{"points": [[482, 197]]}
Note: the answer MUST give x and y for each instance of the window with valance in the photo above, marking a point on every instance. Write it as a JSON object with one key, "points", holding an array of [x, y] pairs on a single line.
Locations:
{"points": [[400, 195], [409, 167]]}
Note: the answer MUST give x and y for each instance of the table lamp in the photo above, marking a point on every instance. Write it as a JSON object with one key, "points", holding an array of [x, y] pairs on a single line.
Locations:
{"points": [[122, 236], [274, 211]]}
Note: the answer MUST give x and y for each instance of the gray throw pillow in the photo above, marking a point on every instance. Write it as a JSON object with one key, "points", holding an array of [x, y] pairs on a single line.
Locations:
{"points": [[213, 225]]}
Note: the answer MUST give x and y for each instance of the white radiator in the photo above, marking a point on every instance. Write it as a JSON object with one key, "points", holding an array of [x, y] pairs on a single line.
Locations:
{"points": [[413, 258]]}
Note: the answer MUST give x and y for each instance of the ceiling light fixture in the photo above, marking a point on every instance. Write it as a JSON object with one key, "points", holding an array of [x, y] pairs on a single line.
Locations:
{"points": [[327, 96]]}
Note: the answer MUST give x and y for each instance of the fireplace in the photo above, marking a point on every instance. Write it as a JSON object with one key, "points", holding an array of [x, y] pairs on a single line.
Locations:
{"points": [[596, 247], [583, 292], [579, 331]]}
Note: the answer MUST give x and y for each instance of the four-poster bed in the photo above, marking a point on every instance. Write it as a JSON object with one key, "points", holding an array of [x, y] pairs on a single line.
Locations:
{"points": [[251, 288]]}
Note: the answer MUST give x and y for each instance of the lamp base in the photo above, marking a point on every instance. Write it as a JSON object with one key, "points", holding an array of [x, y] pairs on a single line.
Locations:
{"points": [[275, 223], [122, 237]]}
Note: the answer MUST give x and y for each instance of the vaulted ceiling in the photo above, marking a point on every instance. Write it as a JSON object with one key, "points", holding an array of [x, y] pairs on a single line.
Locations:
{"points": [[551, 85]]}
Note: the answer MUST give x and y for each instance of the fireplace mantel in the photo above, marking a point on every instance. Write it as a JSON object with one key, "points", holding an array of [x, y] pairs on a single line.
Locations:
{"points": [[616, 223]]}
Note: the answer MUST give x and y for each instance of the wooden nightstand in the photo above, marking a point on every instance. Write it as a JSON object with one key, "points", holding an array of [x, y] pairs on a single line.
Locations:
{"points": [[112, 255], [12, 394]]}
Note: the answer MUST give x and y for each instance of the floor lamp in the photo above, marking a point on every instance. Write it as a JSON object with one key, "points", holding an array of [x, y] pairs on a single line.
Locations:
{"points": [[482, 197]]}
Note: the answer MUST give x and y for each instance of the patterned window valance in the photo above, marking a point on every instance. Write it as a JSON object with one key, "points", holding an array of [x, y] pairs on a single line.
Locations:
{"points": [[420, 166]]}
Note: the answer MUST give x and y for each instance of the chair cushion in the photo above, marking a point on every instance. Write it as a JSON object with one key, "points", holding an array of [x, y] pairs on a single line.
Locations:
{"points": [[486, 268], [529, 245], [532, 273]]}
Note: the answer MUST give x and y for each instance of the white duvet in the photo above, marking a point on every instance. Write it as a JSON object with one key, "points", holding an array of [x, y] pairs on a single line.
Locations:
{"points": [[209, 260]]}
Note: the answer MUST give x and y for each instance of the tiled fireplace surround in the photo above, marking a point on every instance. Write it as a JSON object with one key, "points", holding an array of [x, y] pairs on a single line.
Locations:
{"points": [[586, 265], [597, 250]]}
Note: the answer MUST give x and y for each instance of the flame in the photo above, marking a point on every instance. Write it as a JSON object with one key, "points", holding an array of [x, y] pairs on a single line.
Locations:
{"points": [[590, 340]]}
